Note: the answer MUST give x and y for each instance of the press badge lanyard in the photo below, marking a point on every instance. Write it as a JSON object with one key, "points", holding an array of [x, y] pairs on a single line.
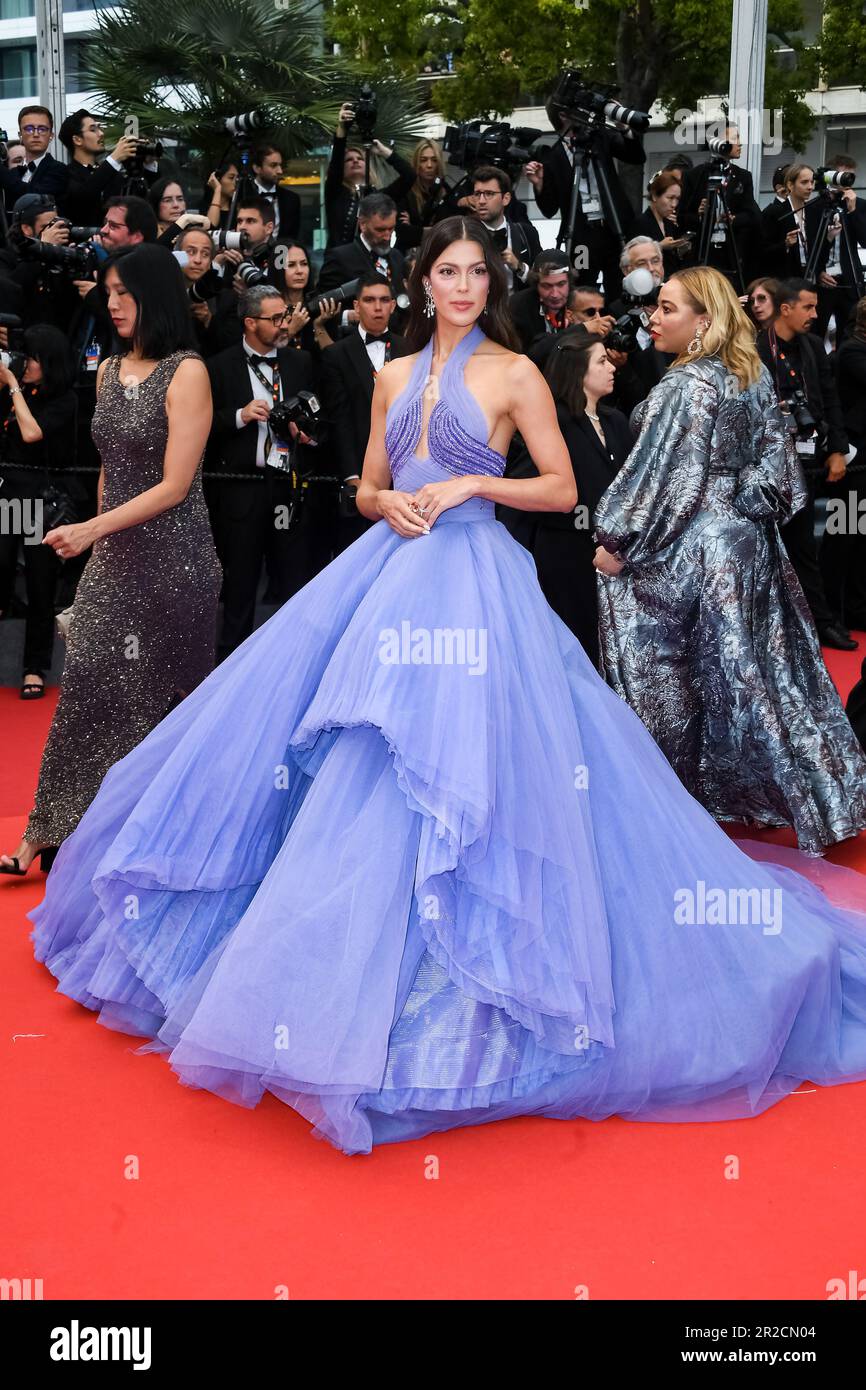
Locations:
{"points": [[274, 388]]}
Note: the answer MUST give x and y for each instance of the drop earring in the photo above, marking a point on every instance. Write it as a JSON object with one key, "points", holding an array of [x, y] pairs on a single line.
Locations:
{"points": [[696, 343], [429, 305]]}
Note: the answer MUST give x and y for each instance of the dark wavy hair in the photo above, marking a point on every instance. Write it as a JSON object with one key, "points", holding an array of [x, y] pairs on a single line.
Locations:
{"points": [[50, 348], [566, 366], [495, 318], [163, 322]]}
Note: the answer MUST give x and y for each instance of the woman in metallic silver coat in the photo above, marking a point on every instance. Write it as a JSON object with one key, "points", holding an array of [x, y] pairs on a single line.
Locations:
{"points": [[703, 626]]}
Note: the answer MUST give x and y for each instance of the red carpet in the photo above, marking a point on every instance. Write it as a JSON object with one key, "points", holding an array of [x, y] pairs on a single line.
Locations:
{"points": [[230, 1203]]}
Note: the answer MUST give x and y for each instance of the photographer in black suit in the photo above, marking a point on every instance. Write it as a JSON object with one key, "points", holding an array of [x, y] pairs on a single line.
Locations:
{"points": [[344, 181], [803, 378], [347, 374], [268, 170], [249, 514], [742, 229], [42, 173], [517, 241], [92, 181], [540, 309], [594, 225], [372, 249]]}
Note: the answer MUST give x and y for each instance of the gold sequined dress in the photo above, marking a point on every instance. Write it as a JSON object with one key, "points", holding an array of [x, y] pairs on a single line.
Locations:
{"points": [[143, 628]]}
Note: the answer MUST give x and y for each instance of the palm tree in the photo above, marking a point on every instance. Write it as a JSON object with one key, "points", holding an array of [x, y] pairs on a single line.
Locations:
{"points": [[181, 67]]}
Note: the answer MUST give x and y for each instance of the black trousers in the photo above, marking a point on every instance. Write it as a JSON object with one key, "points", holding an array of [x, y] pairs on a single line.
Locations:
{"points": [[248, 519], [842, 554], [840, 302], [41, 569], [798, 535]]}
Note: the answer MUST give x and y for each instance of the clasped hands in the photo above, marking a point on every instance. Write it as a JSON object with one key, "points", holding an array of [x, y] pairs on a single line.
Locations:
{"points": [[413, 513]]}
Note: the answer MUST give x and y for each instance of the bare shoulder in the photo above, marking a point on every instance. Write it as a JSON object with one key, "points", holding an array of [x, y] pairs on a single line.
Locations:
{"points": [[189, 374], [516, 365], [395, 374]]}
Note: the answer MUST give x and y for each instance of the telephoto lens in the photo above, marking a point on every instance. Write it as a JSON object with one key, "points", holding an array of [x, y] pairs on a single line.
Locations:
{"points": [[224, 240], [252, 274]]}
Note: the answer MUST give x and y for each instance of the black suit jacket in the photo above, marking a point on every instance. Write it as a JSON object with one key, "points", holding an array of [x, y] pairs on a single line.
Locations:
{"points": [[777, 219], [820, 389], [746, 226], [51, 177], [855, 225], [593, 469], [352, 259], [527, 316], [555, 193], [88, 188], [851, 383], [289, 208], [346, 381], [232, 450], [526, 245]]}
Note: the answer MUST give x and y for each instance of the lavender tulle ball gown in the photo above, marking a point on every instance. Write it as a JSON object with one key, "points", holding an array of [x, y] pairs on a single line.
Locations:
{"points": [[406, 862]]}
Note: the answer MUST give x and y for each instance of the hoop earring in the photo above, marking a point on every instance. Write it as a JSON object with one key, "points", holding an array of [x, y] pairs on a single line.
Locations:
{"points": [[429, 304]]}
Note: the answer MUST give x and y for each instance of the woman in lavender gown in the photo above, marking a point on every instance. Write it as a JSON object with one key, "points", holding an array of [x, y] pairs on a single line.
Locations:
{"points": [[406, 862]]}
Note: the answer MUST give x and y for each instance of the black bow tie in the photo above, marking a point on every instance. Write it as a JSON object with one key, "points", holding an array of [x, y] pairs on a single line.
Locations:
{"points": [[376, 338], [257, 360], [31, 167]]}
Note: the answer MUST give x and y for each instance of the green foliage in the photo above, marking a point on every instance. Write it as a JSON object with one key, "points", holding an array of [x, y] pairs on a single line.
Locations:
{"points": [[673, 51], [843, 42]]}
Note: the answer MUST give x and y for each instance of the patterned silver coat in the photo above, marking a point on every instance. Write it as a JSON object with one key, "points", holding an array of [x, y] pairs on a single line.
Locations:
{"points": [[706, 632]]}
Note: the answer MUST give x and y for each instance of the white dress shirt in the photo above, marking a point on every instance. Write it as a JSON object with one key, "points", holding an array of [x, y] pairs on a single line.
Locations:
{"points": [[375, 351], [508, 271], [260, 393], [28, 174], [271, 195]]}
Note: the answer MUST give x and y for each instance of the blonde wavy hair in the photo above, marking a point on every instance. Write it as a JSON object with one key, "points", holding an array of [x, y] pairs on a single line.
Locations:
{"points": [[730, 335]]}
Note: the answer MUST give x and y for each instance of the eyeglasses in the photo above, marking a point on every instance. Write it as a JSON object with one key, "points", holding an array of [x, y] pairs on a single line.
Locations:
{"points": [[36, 129], [591, 313], [482, 197], [275, 319]]}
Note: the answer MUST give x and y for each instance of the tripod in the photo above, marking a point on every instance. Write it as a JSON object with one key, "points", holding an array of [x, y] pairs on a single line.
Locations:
{"points": [[245, 187], [717, 202], [831, 205], [586, 139]]}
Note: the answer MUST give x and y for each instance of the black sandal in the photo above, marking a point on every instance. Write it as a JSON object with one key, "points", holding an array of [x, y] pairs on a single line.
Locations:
{"points": [[45, 856], [30, 690]]}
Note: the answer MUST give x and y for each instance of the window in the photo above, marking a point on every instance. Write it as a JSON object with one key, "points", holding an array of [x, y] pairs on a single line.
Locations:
{"points": [[75, 53], [18, 72]]}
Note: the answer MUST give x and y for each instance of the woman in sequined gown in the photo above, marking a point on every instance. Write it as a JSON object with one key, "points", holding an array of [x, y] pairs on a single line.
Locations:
{"points": [[405, 861], [142, 633], [703, 626]]}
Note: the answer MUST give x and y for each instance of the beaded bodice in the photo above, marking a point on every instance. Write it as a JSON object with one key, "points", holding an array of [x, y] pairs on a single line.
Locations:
{"points": [[456, 428]]}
